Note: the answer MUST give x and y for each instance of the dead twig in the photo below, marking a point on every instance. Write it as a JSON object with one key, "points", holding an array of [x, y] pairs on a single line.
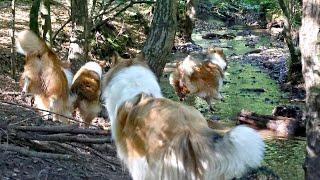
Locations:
{"points": [[63, 138], [60, 129], [10, 93], [58, 31], [27, 119], [37, 109], [95, 152], [26, 152]]}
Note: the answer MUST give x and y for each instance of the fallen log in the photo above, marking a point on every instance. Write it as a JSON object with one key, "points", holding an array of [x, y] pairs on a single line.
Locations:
{"points": [[219, 36], [282, 126]]}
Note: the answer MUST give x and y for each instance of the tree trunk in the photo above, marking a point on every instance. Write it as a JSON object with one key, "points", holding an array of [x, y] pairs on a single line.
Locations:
{"points": [[187, 20], [46, 21], [33, 17], [309, 44], [78, 50], [294, 74], [161, 36], [13, 47]]}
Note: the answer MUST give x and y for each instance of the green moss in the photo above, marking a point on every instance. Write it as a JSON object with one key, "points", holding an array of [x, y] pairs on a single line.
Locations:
{"points": [[241, 90], [286, 158]]}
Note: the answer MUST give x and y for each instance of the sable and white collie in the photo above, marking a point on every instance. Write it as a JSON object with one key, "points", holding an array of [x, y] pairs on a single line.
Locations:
{"points": [[158, 138], [86, 88], [202, 78], [44, 75]]}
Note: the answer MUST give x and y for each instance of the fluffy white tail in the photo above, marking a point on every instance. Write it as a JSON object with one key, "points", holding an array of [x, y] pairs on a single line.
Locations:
{"points": [[238, 150], [207, 155], [28, 42]]}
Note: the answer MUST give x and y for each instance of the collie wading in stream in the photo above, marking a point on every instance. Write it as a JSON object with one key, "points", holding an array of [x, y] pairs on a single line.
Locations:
{"points": [[158, 138], [202, 77]]}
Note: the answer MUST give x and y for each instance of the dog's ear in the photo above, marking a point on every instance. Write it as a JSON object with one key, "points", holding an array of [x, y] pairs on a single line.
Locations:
{"points": [[216, 50], [66, 64], [103, 63], [140, 57], [211, 50], [115, 59]]}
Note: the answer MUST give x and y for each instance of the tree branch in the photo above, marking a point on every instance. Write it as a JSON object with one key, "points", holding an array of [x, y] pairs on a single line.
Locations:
{"points": [[60, 129], [20, 150], [63, 138], [57, 32]]}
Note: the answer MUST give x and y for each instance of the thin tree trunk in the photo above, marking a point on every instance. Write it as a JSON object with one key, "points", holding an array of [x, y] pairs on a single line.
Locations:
{"points": [[46, 21], [309, 44], [294, 74], [187, 22], [33, 17], [78, 50], [161, 37], [13, 52]]}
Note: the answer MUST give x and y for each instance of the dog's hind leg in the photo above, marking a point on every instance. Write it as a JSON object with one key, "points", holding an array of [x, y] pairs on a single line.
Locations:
{"points": [[26, 83], [42, 104], [209, 102]]}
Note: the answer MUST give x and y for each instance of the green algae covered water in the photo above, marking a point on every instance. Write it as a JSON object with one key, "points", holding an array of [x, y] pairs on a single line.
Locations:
{"points": [[248, 87]]}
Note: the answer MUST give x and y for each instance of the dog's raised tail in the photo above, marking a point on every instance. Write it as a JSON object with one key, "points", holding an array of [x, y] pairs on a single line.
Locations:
{"points": [[209, 156], [28, 42], [240, 149]]}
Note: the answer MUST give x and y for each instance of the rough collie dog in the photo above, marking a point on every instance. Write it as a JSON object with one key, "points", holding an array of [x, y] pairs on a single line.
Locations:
{"points": [[202, 78], [86, 88], [158, 138], [44, 75]]}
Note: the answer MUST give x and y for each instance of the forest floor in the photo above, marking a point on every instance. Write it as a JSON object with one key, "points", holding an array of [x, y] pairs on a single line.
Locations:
{"points": [[265, 69]]}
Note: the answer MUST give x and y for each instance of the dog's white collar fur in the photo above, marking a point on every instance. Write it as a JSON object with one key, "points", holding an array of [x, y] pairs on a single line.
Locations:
{"points": [[125, 85], [218, 60]]}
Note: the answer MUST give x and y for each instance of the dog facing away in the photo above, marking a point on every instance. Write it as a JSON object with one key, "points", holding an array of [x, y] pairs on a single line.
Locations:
{"points": [[158, 138], [87, 89], [44, 75], [202, 78]]}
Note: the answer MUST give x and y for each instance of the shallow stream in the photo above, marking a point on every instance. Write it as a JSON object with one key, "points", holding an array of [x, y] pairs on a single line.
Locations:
{"points": [[284, 156]]}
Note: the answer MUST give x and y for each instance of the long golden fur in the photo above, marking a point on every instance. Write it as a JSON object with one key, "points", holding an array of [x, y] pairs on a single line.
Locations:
{"points": [[202, 78], [86, 87], [43, 75], [158, 138]]}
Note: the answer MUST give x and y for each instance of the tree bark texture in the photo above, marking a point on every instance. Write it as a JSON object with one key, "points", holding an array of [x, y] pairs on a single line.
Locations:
{"points": [[13, 40], [309, 44], [294, 74], [161, 36], [187, 21], [46, 21], [78, 50], [33, 17]]}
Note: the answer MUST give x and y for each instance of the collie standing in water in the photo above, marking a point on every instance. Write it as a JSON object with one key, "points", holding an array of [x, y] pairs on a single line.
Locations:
{"points": [[202, 77]]}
